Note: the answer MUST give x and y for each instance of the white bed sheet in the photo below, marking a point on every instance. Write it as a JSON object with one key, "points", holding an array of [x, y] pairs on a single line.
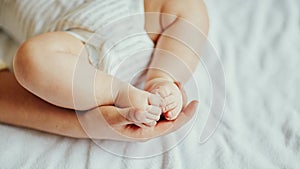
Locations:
{"points": [[258, 42]]}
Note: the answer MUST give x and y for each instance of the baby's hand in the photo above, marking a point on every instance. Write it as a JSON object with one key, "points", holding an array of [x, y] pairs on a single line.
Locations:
{"points": [[171, 94]]}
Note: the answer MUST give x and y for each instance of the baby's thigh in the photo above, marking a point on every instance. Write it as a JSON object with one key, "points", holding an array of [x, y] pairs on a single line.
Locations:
{"points": [[47, 50], [48, 44]]}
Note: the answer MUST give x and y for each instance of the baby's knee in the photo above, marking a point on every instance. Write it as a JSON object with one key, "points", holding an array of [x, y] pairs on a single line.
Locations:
{"points": [[23, 61], [29, 57]]}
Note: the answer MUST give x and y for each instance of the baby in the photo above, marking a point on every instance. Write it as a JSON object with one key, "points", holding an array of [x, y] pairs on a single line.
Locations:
{"points": [[45, 64]]}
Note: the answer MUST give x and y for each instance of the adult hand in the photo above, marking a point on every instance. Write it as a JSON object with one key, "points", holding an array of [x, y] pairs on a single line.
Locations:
{"points": [[106, 122], [129, 132]]}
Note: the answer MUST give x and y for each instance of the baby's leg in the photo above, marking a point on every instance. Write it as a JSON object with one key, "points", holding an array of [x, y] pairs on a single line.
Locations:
{"points": [[45, 65]]}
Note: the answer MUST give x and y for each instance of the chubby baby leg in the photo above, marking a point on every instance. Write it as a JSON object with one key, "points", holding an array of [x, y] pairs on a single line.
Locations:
{"points": [[46, 66]]}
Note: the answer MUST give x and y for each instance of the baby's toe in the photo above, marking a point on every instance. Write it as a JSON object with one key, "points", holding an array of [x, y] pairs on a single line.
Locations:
{"points": [[155, 100], [140, 117], [145, 117], [169, 115], [153, 117], [155, 110], [153, 123], [170, 107], [168, 102], [172, 115], [163, 91]]}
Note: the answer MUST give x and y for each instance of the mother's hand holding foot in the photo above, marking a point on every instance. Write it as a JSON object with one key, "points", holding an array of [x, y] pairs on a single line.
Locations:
{"points": [[22, 108], [107, 122]]}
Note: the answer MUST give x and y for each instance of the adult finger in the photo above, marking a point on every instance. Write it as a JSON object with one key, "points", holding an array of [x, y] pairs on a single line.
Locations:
{"points": [[186, 115]]}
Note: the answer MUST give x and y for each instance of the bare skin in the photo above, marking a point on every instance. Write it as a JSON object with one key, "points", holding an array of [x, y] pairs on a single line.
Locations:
{"points": [[179, 35], [53, 81], [21, 108]]}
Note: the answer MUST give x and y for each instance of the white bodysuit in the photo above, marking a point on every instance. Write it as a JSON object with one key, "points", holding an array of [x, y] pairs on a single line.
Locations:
{"points": [[113, 30]]}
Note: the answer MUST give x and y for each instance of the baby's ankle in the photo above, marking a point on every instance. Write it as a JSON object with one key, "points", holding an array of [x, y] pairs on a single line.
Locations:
{"points": [[118, 90]]}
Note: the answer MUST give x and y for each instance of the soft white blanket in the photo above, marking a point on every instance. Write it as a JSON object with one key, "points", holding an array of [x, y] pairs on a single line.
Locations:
{"points": [[258, 42]]}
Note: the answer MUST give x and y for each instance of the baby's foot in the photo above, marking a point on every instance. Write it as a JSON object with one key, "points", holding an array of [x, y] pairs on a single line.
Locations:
{"points": [[171, 94], [147, 105]]}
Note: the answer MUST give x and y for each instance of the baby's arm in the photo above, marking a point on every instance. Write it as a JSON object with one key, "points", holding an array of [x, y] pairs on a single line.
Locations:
{"points": [[177, 52]]}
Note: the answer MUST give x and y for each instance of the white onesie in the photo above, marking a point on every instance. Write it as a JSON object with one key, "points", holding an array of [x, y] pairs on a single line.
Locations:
{"points": [[112, 30]]}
